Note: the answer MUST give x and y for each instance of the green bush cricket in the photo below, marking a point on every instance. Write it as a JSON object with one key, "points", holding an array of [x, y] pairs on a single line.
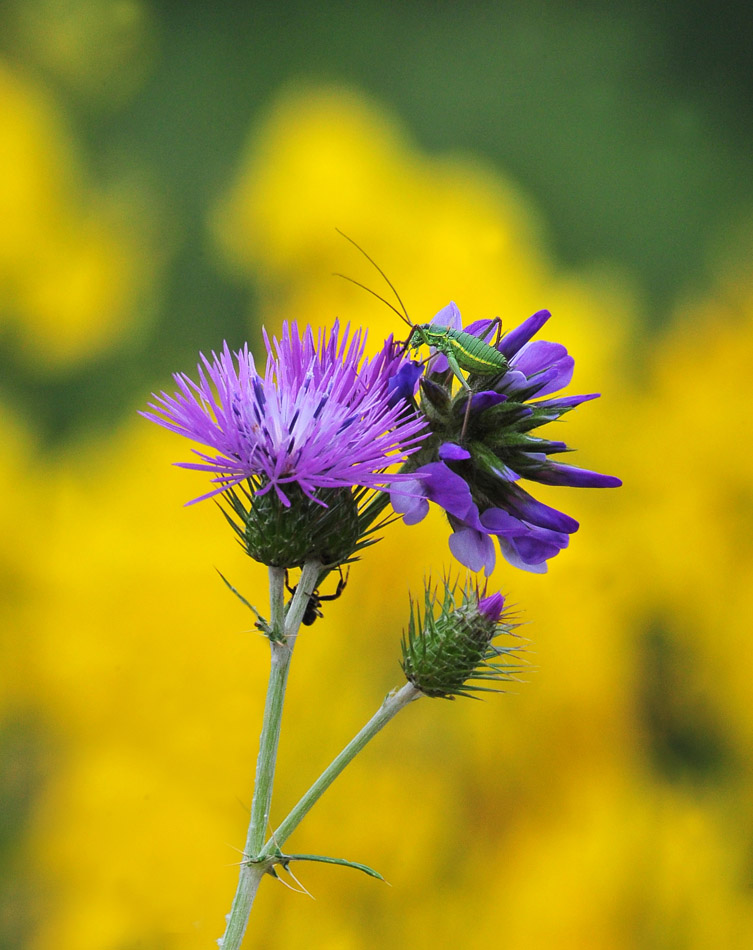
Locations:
{"points": [[463, 351]]}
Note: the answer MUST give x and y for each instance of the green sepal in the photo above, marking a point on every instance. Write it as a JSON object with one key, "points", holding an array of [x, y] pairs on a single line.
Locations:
{"points": [[546, 446], [503, 414], [541, 416], [510, 441], [435, 401], [484, 459]]}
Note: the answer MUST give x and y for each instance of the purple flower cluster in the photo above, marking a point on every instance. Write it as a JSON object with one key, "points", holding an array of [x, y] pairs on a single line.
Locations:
{"points": [[471, 465], [321, 417]]}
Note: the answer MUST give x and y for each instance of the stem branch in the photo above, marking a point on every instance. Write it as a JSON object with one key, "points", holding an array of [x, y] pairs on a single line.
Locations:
{"points": [[393, 703]]}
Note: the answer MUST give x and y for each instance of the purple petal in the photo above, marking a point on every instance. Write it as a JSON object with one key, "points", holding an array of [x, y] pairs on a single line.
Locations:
{"points": [[555, 473], [527, 508], [402, 386], [498, 521], [534, 550], [446, 489], [480, 328], [437, 364], [492, 607], [505, 472], [512, 557], [451, 452], [448, 316], [408, 500], [473, 548], [484, 400], [559, 376], [565, 402], [535, 357], [515, 339], [513, 381]]}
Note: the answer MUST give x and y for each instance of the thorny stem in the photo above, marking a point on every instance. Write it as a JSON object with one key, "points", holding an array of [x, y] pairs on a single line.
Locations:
{"points": [[284, 630]]}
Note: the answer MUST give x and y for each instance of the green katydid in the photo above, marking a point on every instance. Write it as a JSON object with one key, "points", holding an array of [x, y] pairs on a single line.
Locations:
{"points": [[463, 351]]}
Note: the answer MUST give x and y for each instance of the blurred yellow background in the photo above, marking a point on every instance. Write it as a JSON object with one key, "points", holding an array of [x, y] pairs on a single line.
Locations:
{"points": [[172, 176]]}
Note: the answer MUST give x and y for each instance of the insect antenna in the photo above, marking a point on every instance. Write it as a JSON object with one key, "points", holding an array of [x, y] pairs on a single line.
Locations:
{"points": [[372, 292], [404, 315]]}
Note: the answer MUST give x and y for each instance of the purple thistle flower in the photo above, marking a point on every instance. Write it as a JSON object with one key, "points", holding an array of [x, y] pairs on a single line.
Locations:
{"points": [[472, 469], [321, 417]]}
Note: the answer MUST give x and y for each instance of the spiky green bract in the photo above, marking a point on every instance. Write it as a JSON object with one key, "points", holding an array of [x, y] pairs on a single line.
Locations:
{"points": [[330, 528], [450, 643]]}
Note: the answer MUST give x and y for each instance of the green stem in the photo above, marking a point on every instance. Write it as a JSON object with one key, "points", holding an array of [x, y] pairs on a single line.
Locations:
{"points": [[393, 703], [284, 630]]}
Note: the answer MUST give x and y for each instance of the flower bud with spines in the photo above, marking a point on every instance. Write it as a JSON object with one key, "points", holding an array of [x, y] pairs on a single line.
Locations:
{"points": [[324, 528], [450, 643]]}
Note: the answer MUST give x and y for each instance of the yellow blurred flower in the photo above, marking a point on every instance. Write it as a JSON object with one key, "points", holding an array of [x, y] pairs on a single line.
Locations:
{"points": [[72, 268]]}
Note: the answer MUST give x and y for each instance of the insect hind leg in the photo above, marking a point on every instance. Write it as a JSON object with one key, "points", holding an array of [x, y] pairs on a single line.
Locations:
{"points": [[496, 322]]}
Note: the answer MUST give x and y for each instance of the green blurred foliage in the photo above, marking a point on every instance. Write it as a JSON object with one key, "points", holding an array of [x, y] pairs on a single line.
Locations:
{"points": [[630, 126]]}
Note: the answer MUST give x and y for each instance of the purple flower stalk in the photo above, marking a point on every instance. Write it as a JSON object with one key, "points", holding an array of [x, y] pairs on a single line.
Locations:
{"points": [[471, 465], [321, 417]]}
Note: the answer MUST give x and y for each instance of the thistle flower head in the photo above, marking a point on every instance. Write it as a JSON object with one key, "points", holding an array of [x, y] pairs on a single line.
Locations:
{"points": [[475, 457], [320, 422], [450, 643]]}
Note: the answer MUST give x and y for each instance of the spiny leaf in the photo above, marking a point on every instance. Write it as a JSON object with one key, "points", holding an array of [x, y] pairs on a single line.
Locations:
{"points": [[285, 859], [261, 623]]}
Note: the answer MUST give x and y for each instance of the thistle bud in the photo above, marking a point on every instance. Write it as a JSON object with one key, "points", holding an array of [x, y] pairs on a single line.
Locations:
{"points": [[325, 528], [451, 642]]}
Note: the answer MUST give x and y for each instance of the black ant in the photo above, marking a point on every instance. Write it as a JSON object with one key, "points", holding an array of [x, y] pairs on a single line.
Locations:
{"points": [[313, 609]]}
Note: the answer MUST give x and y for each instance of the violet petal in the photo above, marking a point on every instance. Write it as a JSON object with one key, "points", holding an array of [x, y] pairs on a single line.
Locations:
{"points": [[452, 452], [556, 473], [492, 607], [484, 400], [448, 316], [537, 356], [473, 548], [527, 508], [515, 339], [512, 557], [446, 489]]}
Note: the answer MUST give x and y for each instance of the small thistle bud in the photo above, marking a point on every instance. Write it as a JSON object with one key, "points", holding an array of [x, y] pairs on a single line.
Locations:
{"points": [[325, 529], [452, 642]]}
